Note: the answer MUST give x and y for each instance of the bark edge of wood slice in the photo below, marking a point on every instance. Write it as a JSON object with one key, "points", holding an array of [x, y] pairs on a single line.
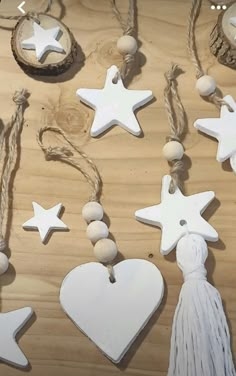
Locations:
{"points": [[222, 43], [26, 59]]}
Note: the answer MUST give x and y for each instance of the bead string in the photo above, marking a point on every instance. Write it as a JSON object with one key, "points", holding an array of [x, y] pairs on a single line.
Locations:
{"points": [[30, 14], [97, 231], [173, 150], [128, 30], [206, 85], [9, 143]]}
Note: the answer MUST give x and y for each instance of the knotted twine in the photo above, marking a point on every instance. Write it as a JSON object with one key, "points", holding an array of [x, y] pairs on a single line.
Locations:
{"points": [[66, 155], [192, 49], [128, 28], [9, 141], [177, 122]]}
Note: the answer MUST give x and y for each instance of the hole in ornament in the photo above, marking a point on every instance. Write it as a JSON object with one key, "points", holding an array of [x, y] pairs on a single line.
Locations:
{"points": [[115, 80], [112, 279], [182, 222]]}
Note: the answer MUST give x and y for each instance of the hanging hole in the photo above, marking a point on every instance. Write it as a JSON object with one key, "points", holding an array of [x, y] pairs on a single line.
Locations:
{"points": [[115, 80], [182, 222], [112, 279]]}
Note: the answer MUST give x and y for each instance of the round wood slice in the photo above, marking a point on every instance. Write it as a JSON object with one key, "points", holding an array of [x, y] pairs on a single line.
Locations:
{"points": [[53, 63], [223, 38]]}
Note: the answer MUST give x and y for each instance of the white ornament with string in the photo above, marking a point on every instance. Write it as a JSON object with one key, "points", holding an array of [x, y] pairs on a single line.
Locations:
{"points": [[103, 299], [200, 340]]}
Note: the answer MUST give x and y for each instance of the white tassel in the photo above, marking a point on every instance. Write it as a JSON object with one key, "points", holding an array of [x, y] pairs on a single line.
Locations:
{"points": [[200, 341]]}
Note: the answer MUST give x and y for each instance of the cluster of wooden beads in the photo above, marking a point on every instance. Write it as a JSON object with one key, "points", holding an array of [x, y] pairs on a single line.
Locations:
{"points": [[4, 262], [105, 249]]}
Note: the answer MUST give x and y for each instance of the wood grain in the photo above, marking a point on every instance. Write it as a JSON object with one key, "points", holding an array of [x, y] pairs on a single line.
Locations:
{"points": [[131, 168]]}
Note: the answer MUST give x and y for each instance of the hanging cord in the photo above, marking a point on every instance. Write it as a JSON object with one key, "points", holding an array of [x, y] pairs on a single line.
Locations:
{"points": [[128, 28], [66, 155], [177, 122], [10, 148], [46, 8], [192, 49]]}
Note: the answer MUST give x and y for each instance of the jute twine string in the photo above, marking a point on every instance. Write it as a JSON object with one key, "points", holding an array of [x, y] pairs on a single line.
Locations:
{"points": [[65, 155], [128, 27], [192, 49], [177, 122], [45, 6], [9, 147]]}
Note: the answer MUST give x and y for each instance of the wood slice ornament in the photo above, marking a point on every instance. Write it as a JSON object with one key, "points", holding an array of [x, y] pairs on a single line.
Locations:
{"points": [[223, 37], [43, 45]]}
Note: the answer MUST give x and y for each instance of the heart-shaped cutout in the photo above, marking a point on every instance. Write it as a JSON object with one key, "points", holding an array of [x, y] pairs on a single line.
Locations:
{"points": [[112, 314]]}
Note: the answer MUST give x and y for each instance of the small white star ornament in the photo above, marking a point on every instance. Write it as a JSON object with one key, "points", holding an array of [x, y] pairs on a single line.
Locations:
{"points": [[224, 130], [114, 104], [178, 214], [43, 40], [10, 325], [45, 220]]}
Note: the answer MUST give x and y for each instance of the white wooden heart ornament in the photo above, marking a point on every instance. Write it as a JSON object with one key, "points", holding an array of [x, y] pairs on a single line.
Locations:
{"points": [[112, 314]]}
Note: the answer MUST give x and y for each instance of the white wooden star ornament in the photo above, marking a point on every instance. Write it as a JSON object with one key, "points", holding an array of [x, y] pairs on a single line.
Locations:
{"points": [[45, 220], [223, 129], [114, 104], [178, 214], [10, 325], [43, 41]]}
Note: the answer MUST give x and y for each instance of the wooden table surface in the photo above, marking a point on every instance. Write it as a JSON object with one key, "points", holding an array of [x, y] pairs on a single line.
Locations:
{"points": [[131, 168]]}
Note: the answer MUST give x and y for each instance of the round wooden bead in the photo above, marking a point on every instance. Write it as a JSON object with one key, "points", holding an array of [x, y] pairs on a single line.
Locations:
{"points": [[92, 211], [173, 150], [127, 45], [4, 263], [105, 250], [97, 230], [206, 85]]}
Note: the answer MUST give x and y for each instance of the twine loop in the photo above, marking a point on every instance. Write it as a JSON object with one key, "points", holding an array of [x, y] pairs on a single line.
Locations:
{"points": [[20, 97], [177, 122]]}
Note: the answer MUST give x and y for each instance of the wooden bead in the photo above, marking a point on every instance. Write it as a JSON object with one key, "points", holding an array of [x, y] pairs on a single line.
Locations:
{"points": [[206, 85], [4, 263], [105, 250], [92, 211], [97, 230], [127, 45], [173, 150]]}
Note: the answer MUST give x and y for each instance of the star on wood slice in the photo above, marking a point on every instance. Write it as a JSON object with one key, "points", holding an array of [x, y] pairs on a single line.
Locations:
{"points": [[45, 220], [10, 324], [43, 41], [114, 104], [223, 129], [178, 214]]}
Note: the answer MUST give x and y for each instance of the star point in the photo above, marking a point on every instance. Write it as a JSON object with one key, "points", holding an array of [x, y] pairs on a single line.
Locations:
{"points": [[114, 104], [10, 324], [43, 41], [176, 213], [223, 129], [45, 220]]}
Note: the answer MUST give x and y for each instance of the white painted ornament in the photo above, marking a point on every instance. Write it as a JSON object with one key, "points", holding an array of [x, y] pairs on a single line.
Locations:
{"points": [[43, 41], [112, 314], [10, 324], [177, 212], [223, 129], [45, 220], [114, 104]]}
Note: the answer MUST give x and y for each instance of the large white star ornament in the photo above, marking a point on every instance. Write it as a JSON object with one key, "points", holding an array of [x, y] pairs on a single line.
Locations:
{"points": [[178, 214], [223, 129], [45, 220], [43, 41], [10, 324], [114, 104]]}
